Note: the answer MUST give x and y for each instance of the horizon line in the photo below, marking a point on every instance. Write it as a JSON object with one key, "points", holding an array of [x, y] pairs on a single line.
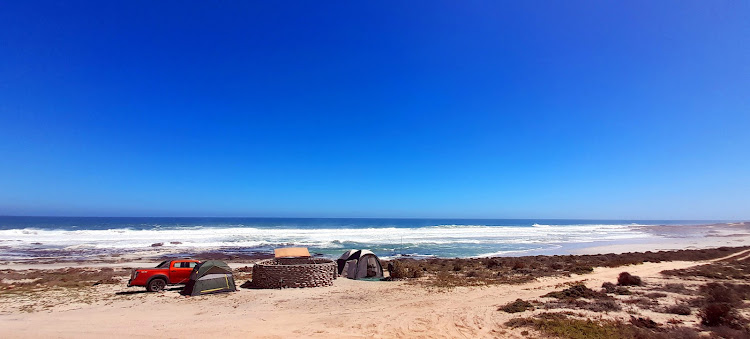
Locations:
{"points": [[278, 217]]}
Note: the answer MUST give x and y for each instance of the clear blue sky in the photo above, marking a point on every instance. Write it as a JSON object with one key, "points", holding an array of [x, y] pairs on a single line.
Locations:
{"points": [[525, 109]]}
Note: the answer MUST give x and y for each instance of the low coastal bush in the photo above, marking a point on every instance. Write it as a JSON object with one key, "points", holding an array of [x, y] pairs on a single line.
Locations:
{"points": [[570, 298], [445, 279], [718, 314], [518, 265], [679, 309], [675, 288], [404, 270], [513, 270], [601, 305], [718, 307], [575, 292], [492, 263], [643, 322], [581, 269], [626, 279], [17, 281], [619, 290], [560, 326], [642, 302], [655, 295], [721, 270], [519, 305], [609, 287], [724, 293], [728, 332]]}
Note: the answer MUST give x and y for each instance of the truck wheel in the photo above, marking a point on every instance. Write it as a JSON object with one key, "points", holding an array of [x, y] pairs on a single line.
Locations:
{"points": [[156, 285]]}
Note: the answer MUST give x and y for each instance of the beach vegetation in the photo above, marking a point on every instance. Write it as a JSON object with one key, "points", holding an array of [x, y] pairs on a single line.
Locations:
{"points": [[19, 281], [620, 290], [719, 304], [518, 265], [514, 270], [595, 305], [715, 292], [655, 295], [608, 287], [406, 269], [679, 309], [729, 332], [626, 279], [602, 305], [519, 305], [721, 270], [718, 314], [581, 269], [558, 325], [642, 302], [575, 292], [644, 322]]}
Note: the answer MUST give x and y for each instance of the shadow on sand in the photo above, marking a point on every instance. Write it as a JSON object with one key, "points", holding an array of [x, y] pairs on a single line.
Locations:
{"points": [[171, 289]]}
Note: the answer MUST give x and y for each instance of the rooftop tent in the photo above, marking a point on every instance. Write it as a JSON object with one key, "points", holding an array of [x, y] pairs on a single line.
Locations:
{"points": [[358, 264], [291, 252], [212, 276]]}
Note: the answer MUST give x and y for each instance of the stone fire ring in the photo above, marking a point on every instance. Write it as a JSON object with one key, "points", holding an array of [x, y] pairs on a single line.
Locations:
{"points": [[293, 273]]}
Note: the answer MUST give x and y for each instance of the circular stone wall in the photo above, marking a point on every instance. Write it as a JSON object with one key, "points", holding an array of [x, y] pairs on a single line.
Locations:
{"points": [[293, 272]]}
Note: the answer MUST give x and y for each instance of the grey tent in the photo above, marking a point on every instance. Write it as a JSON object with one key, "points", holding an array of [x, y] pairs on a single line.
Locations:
{"points": [[212, 276], [358, 264]]}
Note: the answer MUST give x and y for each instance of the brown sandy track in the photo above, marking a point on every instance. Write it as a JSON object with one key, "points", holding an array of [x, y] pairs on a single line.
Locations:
{"points": [[347, 309], [737, 256]]}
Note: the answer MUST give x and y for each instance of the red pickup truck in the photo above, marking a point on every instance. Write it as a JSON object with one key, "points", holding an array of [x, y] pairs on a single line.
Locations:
{"points": [[169, 272]]}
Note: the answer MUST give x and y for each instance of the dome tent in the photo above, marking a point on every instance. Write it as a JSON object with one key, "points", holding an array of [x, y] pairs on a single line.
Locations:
{"points": [[212, 276], [358, 264]]}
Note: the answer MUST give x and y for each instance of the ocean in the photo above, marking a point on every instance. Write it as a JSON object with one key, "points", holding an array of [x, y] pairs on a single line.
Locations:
{"points": [[446, 238]]}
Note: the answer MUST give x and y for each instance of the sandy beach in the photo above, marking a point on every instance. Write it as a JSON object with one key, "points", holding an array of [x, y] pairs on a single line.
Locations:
{"points": [[412, 308]]}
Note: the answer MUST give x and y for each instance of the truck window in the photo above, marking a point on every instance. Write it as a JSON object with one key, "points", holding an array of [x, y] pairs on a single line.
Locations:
{"points": [[193, 264], [164, 264]]}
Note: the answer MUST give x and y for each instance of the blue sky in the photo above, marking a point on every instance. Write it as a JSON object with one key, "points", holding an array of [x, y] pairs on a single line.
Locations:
{"points": [[495, 109]]}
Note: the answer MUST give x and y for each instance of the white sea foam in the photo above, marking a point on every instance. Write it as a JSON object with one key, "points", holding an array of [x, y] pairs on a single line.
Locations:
{"points": [[518, 252], [211, 237]]}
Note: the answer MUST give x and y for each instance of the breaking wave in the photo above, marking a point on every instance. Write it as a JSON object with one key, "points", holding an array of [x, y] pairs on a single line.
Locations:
{"points": [[496, 239]]}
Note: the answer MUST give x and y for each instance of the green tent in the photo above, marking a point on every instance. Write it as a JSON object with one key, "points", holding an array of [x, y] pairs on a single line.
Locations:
{"points": [[212, 276]]}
